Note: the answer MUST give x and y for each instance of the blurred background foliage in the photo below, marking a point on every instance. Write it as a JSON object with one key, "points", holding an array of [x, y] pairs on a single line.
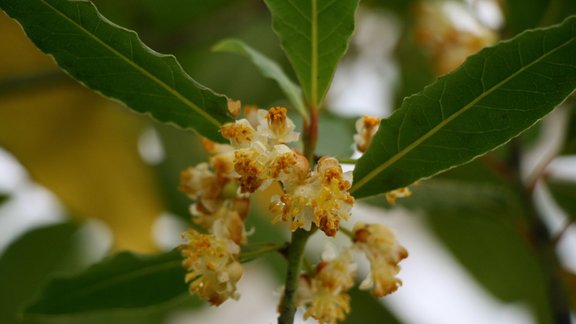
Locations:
{"points": [[91, 153]]}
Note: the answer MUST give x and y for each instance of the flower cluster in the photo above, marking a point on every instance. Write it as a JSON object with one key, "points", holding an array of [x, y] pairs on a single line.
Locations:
{"points": [[257, 156], [321, 199], [317, 197], [211, 258], [212, 264], [260, 154], [324, 293]]}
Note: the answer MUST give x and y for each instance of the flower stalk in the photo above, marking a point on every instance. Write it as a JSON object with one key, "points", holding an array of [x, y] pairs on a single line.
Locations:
{"points": [[295, 256]]}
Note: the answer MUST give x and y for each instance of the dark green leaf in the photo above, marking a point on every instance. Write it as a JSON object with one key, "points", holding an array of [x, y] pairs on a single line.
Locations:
{"points": [[495, 95], [564, 192], [314, 35], [123, 281], [29, 260], [112, 60], [268, 68]]}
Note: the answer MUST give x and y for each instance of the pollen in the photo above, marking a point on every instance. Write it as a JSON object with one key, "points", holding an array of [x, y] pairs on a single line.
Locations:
{"points": [[240, 133]]}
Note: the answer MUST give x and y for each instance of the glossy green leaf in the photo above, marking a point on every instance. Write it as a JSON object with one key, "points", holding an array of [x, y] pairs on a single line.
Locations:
{"points": [[314, 35], [123, 281], [113, 61], [495, 95], [28, 261], [268, 68], [564, 193]]}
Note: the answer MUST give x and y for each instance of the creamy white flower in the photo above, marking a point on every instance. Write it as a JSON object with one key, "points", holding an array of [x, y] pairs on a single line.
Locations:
{"points": [[323, 200], [325, 295], [366, 127], [275, 126], [384, 253]]}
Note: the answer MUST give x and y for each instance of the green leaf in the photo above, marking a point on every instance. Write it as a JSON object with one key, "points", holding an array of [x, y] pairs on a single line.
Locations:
{"points": [[314, 35], [564, 193], [113, 61], [268, 68], [28, 261], [123, 281], [495, 95]]}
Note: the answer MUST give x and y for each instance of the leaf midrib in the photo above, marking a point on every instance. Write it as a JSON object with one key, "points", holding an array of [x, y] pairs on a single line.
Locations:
{"points": [[374, 173], [139, 68], [314, 54]]}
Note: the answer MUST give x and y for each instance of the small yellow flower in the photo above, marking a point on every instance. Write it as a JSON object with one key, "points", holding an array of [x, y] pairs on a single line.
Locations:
{"points": [[384, 253], [291, 208], [288, 167], [213, 269], [336, 273], [391, 196], [328, 307], [323, 200], [276, 127], [366, 127], [251, 165], [325, 295], [202, 185], [240, 133]]}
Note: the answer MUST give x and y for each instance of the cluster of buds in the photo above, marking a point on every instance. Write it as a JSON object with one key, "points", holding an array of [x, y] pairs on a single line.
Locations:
{"points": [[317, 197], [211, 258]]}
